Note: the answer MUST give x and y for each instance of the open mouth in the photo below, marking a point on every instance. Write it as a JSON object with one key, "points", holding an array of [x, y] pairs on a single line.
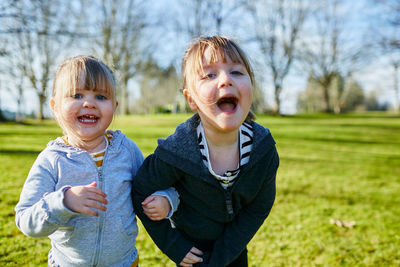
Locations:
{"points": [[88, 118], [227, 104]]}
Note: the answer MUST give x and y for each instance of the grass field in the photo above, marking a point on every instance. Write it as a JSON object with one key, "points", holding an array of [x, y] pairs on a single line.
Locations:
{"points": [[344, 168]]}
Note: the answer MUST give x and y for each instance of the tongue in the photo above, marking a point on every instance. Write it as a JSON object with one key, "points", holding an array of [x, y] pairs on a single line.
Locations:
{"points": [[226, 107]]}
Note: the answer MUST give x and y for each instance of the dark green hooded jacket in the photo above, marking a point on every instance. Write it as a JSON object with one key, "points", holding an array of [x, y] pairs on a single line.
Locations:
{"points": [[217, 221]]}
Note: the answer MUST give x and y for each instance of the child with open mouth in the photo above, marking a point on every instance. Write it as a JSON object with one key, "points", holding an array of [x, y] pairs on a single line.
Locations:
{"points": [[221, 162]]}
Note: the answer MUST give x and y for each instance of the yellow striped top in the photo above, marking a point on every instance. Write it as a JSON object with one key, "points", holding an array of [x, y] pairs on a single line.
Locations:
{"points": [[97, 156]]}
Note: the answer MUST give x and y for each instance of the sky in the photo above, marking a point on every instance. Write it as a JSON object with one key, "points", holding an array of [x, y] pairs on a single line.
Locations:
{"points": [[376, 75]]}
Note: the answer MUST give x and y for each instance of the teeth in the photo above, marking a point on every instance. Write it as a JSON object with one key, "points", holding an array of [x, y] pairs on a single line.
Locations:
{"points": [[88, 118]]}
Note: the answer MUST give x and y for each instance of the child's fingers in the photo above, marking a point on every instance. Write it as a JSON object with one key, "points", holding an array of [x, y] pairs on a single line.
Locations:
{"points": [[85, 198], [93, 188], [95, 205], [96, 190], [153, 211], [196, 251], [192, 258], [184, 263], [153, 215], [97, 197], [149, 209], [89, 211], [147, 200], [94, 184]]}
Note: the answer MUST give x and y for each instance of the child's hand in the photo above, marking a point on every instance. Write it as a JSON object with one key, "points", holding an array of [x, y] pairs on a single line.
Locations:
{"points": [[156, 207], [192, 257], [84, 198]]}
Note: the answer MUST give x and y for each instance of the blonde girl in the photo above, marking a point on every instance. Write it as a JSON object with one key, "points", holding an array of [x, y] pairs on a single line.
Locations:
{"points": [[78, 191]]}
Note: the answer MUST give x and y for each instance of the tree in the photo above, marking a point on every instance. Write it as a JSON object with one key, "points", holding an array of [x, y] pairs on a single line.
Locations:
{"points": [[277, 26], [199, 17], [371, 103], [40, 32], [331, 51], [122, 29], [389, 42], [353, 97], [16, 89], [6, 12], [158, 89], [311, 99]]}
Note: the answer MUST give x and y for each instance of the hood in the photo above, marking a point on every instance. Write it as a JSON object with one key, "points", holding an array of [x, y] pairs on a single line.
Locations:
{"points": [[181, 149], [58, 145]]}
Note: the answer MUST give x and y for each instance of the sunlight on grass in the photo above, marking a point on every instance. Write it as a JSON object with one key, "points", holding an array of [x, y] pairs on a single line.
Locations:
{"points": [[331, 167]]}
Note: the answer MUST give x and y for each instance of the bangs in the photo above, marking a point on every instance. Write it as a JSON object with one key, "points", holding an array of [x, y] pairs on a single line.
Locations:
{"points": [[216, 53], [83, 73], [98, 78]]}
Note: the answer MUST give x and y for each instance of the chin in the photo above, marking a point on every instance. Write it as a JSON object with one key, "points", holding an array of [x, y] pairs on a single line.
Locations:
{"points": [[227, 127]]}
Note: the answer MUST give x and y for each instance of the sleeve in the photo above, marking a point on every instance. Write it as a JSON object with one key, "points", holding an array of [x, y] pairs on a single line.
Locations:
{"points": [[171, 194], [241, 230], [40, 210], [153, 175]]}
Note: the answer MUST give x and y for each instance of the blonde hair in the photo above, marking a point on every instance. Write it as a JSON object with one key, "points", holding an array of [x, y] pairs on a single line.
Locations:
{"points": [[83, 71], [220, 46]]}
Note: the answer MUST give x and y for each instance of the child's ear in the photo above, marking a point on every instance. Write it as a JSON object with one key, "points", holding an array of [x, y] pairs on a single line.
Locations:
{"points": [[190, 99]]}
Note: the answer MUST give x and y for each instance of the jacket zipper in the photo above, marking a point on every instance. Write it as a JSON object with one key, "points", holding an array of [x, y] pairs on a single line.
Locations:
{"points": [[101, 222], [101, 214]]}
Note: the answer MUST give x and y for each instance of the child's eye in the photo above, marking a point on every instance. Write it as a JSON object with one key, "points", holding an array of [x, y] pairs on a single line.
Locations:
{"points": [[208, 76], [236, 72], [77, 96], [101, 97]]}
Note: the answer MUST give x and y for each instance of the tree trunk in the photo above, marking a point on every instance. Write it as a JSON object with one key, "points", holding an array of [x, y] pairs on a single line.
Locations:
{"points": [[123, 103], [42, 100], [277, 104], [396, 88], [325, 89]]}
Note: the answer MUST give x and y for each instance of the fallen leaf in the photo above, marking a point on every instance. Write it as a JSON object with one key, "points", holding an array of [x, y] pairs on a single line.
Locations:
{"points": [[341, 223]]}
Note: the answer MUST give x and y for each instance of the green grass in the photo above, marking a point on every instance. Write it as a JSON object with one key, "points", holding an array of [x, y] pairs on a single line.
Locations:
{"points": [[332, 167]]}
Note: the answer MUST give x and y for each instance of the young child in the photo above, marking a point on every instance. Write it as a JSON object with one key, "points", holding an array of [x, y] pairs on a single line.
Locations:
{"points": [[220, 161], [78, 191]]}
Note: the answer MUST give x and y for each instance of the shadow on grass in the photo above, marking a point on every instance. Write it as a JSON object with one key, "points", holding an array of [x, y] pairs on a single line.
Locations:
{"points": [[346, 198], [13, 132], [19, 152], [373, 115], [338, 140]]}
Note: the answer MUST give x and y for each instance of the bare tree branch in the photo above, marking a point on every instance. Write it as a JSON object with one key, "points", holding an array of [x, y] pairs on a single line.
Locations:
{"points": [[277, 27]]}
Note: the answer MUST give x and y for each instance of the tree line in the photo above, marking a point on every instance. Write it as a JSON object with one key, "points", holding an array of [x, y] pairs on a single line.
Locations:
{"points": [[143, 41]]}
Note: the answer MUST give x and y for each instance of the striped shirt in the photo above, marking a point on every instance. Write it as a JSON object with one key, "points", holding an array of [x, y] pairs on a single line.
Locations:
{"points": [[97, 156], [245, 143]]}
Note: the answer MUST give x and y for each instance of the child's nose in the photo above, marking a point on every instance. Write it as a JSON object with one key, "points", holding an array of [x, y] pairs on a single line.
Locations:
{"points": [[224, 79], [89, 102]]}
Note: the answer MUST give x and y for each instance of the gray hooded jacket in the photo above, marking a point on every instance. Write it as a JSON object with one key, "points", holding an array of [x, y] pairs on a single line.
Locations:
{"points": [[79, 239]]}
